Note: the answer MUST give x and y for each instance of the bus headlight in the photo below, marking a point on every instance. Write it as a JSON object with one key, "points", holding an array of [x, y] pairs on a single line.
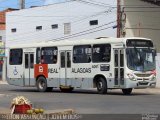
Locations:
{"points": [[153, 78], [131, 77]]}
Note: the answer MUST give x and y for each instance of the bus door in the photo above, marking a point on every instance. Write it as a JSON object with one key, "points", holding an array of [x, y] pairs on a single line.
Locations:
{"points": [[29, 69], [118, 67], [65, 68]]}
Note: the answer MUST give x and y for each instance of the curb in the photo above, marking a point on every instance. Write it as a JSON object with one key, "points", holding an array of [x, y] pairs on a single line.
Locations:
{"points": [[3, 82], [61, 111]]}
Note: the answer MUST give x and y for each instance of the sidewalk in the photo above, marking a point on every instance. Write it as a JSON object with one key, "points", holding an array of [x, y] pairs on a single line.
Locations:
{"points": [[3, 82]]}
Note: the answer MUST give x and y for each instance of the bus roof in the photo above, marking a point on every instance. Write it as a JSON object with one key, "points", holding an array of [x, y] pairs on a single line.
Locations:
{"points": [[77, 42]]}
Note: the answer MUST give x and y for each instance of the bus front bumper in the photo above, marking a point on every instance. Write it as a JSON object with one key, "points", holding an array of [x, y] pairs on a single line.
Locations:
{"points": [[141, 84]]}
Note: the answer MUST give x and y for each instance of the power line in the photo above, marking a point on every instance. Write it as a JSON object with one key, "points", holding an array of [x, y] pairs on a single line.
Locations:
{"points": [[63, 38], [78, 33], [81, 18], [101, 3], [33, 1], [95, 4], [71, 22], [31, 32], [143, 11], [106, 11], [143, 28], [103, 12], [69, 37]]}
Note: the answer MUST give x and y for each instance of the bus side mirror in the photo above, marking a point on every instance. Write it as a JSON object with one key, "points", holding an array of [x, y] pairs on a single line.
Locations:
{"points": [[155, 52]]}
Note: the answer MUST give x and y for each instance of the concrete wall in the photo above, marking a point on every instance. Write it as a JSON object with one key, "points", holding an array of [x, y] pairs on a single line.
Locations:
{"points": [[78, 14]]}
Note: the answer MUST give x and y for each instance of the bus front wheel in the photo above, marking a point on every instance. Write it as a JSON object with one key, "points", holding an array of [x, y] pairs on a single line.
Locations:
{"points": [[42, 85], [127, 91], [101, 85]]}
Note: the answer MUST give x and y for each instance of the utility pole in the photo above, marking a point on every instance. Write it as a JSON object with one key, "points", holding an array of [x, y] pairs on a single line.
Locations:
{"points": [[22, 4], [118, 18]]}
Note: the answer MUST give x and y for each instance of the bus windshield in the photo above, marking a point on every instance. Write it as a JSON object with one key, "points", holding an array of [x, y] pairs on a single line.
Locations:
{"points": [[140, 59]]}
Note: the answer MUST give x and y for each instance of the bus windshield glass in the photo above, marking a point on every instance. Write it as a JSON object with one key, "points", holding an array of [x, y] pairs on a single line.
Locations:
{"points": [[141, 59]]}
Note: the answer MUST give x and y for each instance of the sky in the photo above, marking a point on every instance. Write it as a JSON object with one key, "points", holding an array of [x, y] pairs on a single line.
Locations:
{"points": [[4, 4], [15, 3]]}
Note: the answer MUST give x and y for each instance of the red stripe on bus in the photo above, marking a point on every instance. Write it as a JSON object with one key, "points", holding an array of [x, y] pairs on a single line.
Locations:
{"points": [[41, 69]]}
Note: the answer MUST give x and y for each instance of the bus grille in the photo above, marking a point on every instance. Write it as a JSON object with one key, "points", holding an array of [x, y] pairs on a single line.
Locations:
{"points": [[141, 83], [143, 75]]}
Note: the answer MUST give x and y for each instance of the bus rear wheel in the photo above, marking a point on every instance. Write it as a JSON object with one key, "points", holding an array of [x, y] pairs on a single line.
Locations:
{"points": [[127, 91], [42, 85], [101, 85]]}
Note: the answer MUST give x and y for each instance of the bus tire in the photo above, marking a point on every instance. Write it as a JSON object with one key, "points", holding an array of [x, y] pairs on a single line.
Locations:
{"points": [[127, 91], [41, 84], [101, 85]]}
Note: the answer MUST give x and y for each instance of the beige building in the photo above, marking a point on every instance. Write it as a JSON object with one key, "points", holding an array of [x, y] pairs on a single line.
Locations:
{"points": [[140, 18]]}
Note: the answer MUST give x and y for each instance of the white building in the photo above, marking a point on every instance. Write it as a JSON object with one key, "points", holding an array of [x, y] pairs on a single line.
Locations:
{"points": [[66, 20]]}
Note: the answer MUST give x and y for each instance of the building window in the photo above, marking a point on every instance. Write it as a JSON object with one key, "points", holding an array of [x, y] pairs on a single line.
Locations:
{"points": [[15, 56], [0, 37], [13, 30], [55, 26], [82, 54], [67, 28], [93, 22], [38, 27]]}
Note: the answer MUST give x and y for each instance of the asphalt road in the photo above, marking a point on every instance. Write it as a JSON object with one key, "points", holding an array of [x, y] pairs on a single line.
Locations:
{"points": [[85, 101]]}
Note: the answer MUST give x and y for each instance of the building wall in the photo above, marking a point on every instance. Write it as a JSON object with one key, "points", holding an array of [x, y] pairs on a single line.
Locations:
{"points": [[142, 20], [2, 42], [78, 14], [2, 35]]}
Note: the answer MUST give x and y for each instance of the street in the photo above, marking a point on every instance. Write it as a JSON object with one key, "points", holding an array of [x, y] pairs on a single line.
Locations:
{"points": [[85, 101]]}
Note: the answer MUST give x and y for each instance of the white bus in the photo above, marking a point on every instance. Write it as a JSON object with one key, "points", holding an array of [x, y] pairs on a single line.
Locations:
{"points": [[102, 63]]}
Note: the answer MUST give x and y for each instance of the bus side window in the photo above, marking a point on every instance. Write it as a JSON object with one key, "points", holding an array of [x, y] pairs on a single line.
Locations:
{"points": [[101, 53], [82, 54], [49, 55], [38, 56], [15, 57]]}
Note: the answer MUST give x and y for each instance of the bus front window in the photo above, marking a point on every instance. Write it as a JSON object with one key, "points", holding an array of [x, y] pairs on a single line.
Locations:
{"points": [[141, 59]]}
